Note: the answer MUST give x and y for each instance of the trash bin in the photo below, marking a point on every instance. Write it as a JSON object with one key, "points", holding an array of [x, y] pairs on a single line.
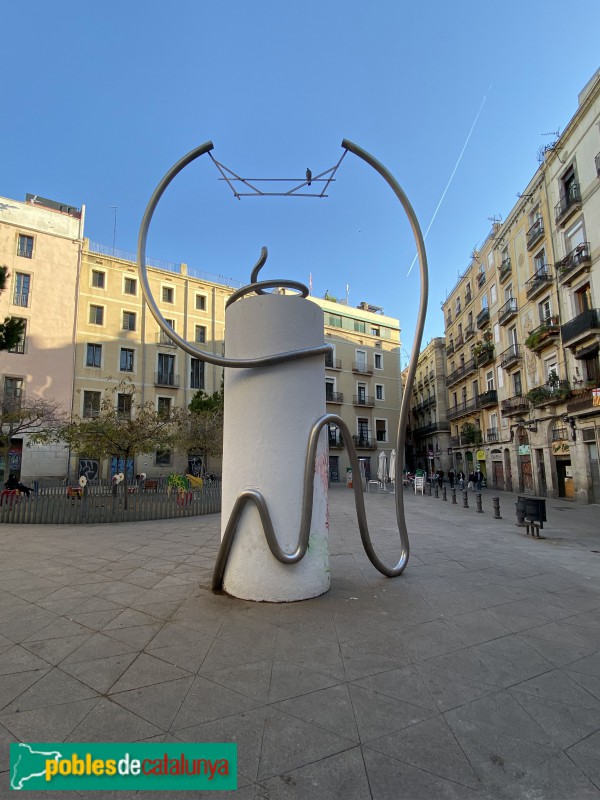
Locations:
{"points": [[349, 477]]}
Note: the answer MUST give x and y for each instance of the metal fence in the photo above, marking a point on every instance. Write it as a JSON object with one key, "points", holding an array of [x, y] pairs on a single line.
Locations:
{"points": [[94, 507]]}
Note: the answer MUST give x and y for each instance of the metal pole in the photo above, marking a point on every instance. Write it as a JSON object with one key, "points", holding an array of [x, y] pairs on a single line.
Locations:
{"points": [[478, 502], [444, 493]]}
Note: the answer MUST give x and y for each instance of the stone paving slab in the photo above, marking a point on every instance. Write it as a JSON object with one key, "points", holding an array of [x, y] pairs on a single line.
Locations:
{"points": [[476, 674]]}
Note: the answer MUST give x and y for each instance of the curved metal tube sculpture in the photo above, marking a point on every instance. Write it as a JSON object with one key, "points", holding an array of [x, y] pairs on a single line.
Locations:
{"points": [[259, 287]]}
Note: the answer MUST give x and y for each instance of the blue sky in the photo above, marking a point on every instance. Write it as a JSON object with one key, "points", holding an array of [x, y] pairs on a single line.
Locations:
{"points": [[101, 99]]}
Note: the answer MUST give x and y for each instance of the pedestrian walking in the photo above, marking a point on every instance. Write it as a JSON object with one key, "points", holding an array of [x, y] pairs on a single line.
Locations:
{"points": [[451, 476], [440, 477]]}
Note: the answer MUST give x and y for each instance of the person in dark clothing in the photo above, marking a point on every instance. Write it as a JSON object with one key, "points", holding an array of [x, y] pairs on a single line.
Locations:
{"points": [[451, 478], [440, 477], [14, 483]]}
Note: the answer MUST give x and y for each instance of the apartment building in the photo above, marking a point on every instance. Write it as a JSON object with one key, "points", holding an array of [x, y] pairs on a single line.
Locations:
{"points": [[41, 244], [429, 433], [523, 328], [362, 382]]}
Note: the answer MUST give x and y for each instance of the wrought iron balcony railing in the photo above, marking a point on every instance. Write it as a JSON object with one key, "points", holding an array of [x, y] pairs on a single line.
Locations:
{"points": [[540, 281], [510, 356], [462, 371], [514, 405], [535, 233], [489, 398], [362, 369], [363, 400], [332, 363], [483, 318], [492, 435], [364, 442], [582, 325], [574, 262], [166, 379], [508, 310], [505, 269], [334, 397], [569, 202]]}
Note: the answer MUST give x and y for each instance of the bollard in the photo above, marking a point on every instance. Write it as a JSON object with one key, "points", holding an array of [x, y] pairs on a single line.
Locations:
{"points": [[453, 493], [520, 506], [465, 499], [496, 502], [444, 493], [429, 488], [435, 491], [478, 502]]}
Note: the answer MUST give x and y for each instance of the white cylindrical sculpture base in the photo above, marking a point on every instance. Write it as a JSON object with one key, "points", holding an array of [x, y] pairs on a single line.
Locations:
{"points": [[269, 412]]}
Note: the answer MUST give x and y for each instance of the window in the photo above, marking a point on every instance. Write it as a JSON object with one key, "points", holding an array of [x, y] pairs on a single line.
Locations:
{"points": [[166, 369], [496, 332], [329, 388], [25, 246], [93, 356], [19, 347], [539, 260], [163, 406], [200, 302], [375, 331], [129, 286], [96, 315], [493, 294], [489, 380], [163, 458], [129, 320], [379, 391], [574, 237], [98, 279], [13, 392], [335, 320], [359, 325], [126, 360], [21, 295], [124, 405], [494, 421], [167, 294], [378, 361], [200, 334], [196, 374], [500, 377], [545, 309], [517, 384], [91, 404], [484, 302], [162, 336], [381, 430], [583, 298], [490, 259], [550, 368], [457, 306]]}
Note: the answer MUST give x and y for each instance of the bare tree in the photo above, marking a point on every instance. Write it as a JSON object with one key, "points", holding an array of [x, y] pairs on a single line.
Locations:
{"points": [[120, 427], [21, 415], [202, 430]]}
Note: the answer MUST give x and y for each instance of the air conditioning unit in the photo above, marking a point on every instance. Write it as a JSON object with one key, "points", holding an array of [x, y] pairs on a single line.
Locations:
{"points": [[588, 434]]}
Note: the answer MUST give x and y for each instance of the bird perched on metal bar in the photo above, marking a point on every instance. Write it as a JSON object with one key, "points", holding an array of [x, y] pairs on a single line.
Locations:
{"points": [[308, 175]]}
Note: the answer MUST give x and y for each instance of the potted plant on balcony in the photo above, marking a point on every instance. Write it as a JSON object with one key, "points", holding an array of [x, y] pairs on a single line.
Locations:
{"points": [[538, 395], [537, 336], [470, 434]]}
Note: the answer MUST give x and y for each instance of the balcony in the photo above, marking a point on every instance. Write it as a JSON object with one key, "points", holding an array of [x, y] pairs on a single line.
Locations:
{"points": [[505, 270], [540, 282], [465, 369], [514, 405], [336, 440], [544, 335], [363, 400], [450, 349], [461, 409], [364, 442], [469, 332], [483, 318], [489, 398], [166, 379], [508, 311], [163, 340], [569, 203], [582, 326], [535, 233], [511, 356], [332, 363], [449, 318], [582, 401], [458, 341], [361, 369], [432, 427], [468, 298], [574, 263], [420, 384], [560, 435], [481, 278], [549, 394], [492, 435], [334, 397], [484, 354]]}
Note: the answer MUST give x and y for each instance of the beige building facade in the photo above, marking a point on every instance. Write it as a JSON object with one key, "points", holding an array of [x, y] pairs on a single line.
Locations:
{"points": [[522, 329], [41, 244]]}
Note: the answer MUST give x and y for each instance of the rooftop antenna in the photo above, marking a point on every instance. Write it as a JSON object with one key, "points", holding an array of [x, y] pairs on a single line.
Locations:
{"points": [[495, 218]]}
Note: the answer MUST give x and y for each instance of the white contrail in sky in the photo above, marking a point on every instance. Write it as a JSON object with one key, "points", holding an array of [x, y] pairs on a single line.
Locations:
{"points": [[451, 176]]}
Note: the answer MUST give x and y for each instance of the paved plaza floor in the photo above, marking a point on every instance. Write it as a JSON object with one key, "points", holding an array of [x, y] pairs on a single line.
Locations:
{"points": [[474, 675]]}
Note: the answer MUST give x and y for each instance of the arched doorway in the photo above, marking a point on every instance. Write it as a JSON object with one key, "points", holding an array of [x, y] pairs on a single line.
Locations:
{"points": [[561, 451]]}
